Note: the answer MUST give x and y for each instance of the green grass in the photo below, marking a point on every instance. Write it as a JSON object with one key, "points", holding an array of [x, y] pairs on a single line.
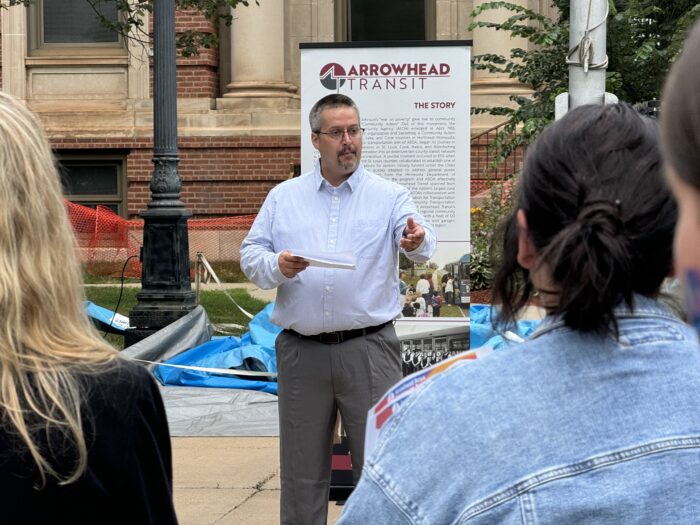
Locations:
{"points": [[105, 273], [228, 272], [110, 273], [450, 310], [219, 308], [107, 279]]}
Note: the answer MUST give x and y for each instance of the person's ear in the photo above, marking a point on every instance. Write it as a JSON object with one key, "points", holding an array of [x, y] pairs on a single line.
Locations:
{"points": [[527, 254], [314, 139]]}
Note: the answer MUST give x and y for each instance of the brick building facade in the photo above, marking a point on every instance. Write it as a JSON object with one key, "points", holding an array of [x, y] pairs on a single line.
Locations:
{"points": [[238, 104]]}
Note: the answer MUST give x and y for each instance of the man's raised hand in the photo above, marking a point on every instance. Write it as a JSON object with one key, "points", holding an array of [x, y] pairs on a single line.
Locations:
{"points": [[413, 235]]}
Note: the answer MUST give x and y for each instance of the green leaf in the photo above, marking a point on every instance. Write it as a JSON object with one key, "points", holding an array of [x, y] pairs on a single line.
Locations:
{"points": [[644, 36]]}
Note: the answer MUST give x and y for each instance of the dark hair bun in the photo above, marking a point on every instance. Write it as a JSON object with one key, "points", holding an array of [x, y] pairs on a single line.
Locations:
{"points": [[599, 214], [591, 265], [601, 217]]}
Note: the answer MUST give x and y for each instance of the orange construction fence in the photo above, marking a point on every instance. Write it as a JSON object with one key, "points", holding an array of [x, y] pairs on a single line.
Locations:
{"points": [[107, 240]]}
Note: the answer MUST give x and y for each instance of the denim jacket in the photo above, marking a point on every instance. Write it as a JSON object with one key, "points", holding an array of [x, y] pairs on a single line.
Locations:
{"points": [[564, 428]]}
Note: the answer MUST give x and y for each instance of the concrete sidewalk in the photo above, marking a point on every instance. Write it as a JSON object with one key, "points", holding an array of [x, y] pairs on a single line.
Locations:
{"points": [[229, 480]]}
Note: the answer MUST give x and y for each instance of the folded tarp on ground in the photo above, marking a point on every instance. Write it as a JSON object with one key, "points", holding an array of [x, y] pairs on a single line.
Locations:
{"points": [[187, 332], [254, 351], [196, 411], [482, 332]]}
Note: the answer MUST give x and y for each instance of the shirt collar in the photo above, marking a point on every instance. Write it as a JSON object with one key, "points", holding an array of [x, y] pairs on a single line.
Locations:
{"points": [[353, 181], [642, 306]]}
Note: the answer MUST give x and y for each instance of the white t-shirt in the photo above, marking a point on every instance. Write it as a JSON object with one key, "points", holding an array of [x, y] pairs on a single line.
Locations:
{"points": [[422, 286]]}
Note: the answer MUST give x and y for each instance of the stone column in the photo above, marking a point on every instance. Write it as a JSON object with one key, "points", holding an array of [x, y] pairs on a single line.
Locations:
{"points": [[138, 68], [13, 21], [452, 19], [308, 21], [487, 40], [492, 89], [257, 64]]}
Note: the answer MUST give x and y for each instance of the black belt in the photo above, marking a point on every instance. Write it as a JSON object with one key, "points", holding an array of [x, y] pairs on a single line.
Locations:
{"points": [[333, 338]]}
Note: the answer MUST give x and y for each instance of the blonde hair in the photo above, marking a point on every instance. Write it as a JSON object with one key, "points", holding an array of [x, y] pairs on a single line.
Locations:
{"points": [[46, 339]]}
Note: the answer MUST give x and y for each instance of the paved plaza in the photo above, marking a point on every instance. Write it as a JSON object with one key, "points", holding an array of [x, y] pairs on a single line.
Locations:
{"points": [[229, 480]]}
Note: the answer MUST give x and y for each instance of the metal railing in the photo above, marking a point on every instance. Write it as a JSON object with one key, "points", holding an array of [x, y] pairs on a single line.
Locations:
{"points": [[482, 160]]}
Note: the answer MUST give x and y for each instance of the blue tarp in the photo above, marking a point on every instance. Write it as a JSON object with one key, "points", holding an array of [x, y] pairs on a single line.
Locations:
{"points": [[254, 350], [106, 319], [482, 332]]}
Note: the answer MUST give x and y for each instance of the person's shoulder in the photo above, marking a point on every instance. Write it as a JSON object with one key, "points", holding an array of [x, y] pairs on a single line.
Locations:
{"points": [[378, 181], [443, 396], [127, 371], [451, 391], [300, 183], [123, 397], [430, 386], [122, 380], [429, 430]]}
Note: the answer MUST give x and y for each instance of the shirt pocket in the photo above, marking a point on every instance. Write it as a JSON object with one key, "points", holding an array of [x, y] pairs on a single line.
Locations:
{"points": [[369, 238]]}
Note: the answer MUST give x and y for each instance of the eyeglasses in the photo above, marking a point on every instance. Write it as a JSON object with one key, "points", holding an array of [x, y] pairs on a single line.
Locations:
{"points": [[338, 134]]}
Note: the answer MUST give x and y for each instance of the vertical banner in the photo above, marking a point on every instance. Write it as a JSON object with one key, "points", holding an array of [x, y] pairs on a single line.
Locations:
{"points": [[414, 101]]}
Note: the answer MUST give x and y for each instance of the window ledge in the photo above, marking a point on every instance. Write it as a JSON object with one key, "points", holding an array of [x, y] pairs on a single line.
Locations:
{"points": [[77, 61]]}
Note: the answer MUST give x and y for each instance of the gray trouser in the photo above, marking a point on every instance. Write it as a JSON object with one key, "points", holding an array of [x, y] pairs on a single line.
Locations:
{"points": [[315, 380]]}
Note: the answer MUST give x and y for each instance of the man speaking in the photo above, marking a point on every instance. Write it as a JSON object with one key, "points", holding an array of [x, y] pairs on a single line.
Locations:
{"points": [[338, 349]]}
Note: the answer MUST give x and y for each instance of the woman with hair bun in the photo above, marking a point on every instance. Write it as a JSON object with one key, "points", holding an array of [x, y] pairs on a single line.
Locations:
{"points": [[595, 418], [84, 438]]}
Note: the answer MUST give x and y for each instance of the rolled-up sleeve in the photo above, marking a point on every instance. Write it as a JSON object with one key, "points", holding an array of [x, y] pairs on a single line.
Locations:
{"points": [[259, 260]]}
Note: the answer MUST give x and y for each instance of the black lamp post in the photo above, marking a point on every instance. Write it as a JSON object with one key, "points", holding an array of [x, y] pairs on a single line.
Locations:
{"points": [[166, 293]]}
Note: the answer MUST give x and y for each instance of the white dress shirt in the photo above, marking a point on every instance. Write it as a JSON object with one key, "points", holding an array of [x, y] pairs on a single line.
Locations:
{"points": [[367, 215]]}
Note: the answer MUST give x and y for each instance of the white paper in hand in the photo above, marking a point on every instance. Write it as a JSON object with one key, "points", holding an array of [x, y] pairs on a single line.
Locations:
{"points": [[339, 260]]}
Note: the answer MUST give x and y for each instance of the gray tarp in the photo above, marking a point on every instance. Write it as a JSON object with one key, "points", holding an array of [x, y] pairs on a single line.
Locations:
{"points": [[194, 411], [187, 332]]}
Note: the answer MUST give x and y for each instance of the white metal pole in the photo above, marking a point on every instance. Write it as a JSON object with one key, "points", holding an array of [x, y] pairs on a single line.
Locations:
{"points": [[588, 32]]}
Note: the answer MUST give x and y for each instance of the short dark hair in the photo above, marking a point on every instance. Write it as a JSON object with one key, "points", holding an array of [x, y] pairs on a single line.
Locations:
{"points": [[599, 214], [328, 102], [680, 113]]}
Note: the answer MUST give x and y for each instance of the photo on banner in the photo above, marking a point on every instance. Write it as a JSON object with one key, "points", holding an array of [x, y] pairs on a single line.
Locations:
{"points": [[414, 101]]}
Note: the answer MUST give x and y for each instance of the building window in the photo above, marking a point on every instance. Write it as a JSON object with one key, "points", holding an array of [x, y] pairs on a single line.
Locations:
{"points": [[370, 20], [90, 182], [62, 26]]}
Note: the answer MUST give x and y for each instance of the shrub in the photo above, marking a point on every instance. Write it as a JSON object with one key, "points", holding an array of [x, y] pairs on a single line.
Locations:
{"points": [[485, 221]]}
